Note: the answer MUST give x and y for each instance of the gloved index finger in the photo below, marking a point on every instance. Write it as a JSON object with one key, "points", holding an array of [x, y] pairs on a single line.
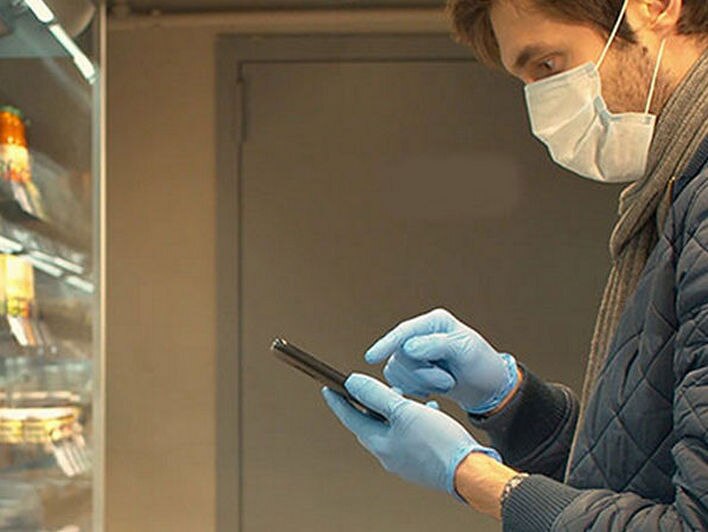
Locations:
{"points": [[416, 378], [435, 321]]}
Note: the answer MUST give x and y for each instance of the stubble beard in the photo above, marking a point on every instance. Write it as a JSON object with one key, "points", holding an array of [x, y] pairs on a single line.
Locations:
{"points": [[626, 89]]}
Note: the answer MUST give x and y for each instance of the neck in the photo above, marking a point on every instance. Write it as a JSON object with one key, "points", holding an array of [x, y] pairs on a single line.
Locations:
{"points": [[681, 54]]}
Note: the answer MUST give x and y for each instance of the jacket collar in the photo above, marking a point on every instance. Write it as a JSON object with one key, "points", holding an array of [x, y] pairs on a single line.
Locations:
{"points": [[698, 162]]}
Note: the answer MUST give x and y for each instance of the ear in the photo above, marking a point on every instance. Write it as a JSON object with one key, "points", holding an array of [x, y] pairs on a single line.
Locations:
{"points": [[668, 15], [661, 17]]}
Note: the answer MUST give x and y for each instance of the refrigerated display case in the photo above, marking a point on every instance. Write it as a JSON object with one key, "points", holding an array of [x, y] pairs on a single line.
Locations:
{"points": [[51, 212]]}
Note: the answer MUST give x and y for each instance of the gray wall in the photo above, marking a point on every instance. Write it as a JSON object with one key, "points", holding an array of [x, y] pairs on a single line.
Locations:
{"points": [[161, 288], [162, 279]]}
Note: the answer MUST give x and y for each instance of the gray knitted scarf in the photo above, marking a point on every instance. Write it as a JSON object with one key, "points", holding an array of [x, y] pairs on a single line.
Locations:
{"points": [[643, 206]]}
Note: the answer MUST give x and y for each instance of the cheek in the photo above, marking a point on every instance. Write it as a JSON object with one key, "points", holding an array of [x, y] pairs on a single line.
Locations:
{"points": [[625, 82], [615, 92]]}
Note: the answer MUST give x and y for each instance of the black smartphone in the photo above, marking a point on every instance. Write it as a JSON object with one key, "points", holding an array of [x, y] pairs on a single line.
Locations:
{"points": [[321, 372]]}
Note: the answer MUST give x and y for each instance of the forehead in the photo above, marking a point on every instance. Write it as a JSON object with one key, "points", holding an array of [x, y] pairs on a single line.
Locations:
{"points": [[520, 25]]}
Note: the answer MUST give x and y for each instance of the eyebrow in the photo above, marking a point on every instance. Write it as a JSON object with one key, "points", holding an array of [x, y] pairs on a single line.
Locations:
{"points": [[527, 54]]}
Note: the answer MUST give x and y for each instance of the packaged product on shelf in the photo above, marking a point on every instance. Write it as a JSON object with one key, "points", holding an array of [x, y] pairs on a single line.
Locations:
{"points": [[14, 152], [15, 164], [17, 301], [55, 428], [18, 285]]}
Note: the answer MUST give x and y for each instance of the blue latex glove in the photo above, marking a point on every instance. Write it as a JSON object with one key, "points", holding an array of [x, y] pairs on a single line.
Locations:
{"points": [[436, 353], [419, 443]]}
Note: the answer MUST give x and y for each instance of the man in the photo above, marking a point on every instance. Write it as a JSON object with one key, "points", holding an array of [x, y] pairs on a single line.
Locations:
{"points": [[633, 454]]}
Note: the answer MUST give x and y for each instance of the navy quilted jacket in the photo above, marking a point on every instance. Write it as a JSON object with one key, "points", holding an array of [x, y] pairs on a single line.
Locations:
{"points": [[641, 461]]}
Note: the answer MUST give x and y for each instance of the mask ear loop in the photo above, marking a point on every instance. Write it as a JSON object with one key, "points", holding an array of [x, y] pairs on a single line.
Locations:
{"points": [[620, 17], [654, 79]]}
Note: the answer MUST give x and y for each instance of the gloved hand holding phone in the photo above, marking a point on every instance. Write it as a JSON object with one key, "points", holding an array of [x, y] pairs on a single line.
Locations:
{"points": [[418, 442], [437, 354]]}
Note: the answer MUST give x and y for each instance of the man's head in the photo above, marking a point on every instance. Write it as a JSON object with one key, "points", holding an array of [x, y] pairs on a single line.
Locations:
{"points": [[535, 39]]}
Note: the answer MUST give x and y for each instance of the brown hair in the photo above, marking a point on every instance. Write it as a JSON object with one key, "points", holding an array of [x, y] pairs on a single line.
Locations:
{"points": [[473, 26]]}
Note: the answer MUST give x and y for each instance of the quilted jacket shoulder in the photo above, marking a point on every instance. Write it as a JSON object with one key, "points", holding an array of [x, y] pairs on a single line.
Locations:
{"points": [[641, 461]]}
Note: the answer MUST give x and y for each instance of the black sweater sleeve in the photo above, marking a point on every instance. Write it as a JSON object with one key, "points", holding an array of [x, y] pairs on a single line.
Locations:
{"points": [[535, 430]]}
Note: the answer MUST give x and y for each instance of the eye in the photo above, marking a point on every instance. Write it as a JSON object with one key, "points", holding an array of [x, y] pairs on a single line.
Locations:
{"points": [[548, 66]]}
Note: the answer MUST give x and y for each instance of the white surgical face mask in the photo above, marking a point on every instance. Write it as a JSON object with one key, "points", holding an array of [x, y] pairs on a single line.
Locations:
{"points": [[569, 115]]}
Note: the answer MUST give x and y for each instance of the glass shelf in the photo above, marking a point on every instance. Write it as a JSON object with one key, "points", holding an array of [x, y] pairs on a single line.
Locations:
{"points": [[31, 29], [24, 35], [51, 168]]}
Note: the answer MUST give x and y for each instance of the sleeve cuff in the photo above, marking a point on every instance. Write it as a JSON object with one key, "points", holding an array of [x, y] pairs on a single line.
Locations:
{"points": [[536, 503], [537, 415]]}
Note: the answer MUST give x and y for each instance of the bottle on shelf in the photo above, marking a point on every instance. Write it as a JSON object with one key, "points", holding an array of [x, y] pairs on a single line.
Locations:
{"points": [[15, 162], [14, 152]]}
